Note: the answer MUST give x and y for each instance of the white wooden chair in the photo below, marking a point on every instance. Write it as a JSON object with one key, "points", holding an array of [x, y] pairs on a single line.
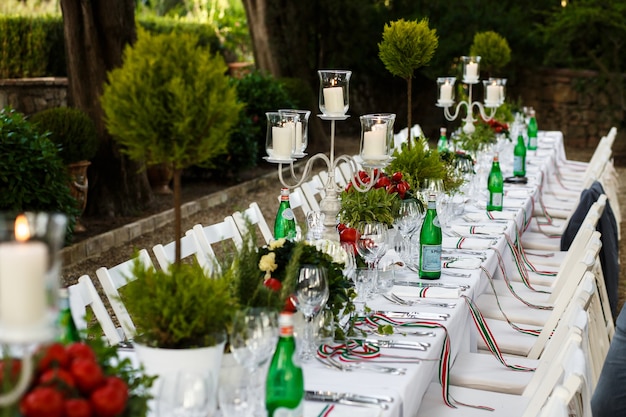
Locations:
{"points": [[112, 279], [83, 294], [297, 200], [254, 217], [313, 190], [189, 246], [207, 236]]}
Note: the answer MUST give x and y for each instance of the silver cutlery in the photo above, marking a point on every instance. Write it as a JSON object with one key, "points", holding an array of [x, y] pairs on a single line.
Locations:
{"points": [[414, 315], [357, 397], [443, 272], [401, 333], [396, 344], [457, 252], [418, 284], [353, 366], [403, 302], [347, 399]]}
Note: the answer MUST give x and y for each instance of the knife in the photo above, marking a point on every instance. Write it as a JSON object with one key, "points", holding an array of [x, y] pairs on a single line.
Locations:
{"points": [[396, 344], [374, 399], [429, 284], [414, 315], [342, 399]]}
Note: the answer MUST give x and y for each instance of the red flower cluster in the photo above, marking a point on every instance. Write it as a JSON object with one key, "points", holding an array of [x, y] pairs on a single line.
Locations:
{"points": [[393, 183], [498, 127], [69, 382]]}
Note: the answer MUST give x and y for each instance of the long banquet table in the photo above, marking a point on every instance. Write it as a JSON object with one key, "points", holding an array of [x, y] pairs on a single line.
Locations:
{"points": [[408, 389]]}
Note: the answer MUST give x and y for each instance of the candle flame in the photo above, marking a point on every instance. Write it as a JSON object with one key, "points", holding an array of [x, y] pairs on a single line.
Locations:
{"points": [[22, 231]]}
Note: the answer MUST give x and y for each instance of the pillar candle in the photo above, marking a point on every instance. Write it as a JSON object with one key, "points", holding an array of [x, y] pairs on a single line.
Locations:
{"points": [[446, 92], [333, 100], [471, 71], [299, 144], [282, 142], [374, 144], [23, 302], [493, 93]]}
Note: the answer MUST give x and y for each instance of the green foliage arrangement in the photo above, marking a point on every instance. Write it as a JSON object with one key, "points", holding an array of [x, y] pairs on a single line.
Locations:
{"points": [[418, 163], [407, 46], [170, 103], [178, 308], [483, 137], [24, 47], [261, 93], [71, 129], [493, 49], [32, 174], [375, 205]]}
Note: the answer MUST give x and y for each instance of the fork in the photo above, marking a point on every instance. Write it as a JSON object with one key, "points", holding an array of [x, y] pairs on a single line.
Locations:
{"points": [[351, 366], [404, 302]]}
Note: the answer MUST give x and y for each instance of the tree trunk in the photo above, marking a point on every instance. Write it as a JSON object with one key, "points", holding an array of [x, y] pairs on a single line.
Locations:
{"points": [[277, 26], [96, 32]]}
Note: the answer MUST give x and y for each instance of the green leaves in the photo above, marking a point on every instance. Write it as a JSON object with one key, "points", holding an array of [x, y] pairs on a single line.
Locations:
{"points": [[493, 49], [406, 46], [375, 205], [417, 163]]}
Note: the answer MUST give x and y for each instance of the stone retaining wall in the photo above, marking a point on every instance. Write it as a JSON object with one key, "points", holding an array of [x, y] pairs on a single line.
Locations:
{"points": [[32, 95]]}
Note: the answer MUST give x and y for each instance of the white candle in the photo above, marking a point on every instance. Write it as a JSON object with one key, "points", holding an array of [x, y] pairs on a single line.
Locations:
{"points": [[282, 142], [299, 144], [22, 282], [493, 93], [446, 92], [501, 93], [333, 100], [471, 71], [374, 144]]}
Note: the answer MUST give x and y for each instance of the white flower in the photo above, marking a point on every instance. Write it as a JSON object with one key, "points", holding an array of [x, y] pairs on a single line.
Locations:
{"points": [[267, 263], [332, 249], [276, 243]]}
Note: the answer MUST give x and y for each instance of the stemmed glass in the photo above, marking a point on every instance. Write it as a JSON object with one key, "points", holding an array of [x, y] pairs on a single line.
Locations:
{"points": [[407, 221], [372, 242], [186, 394], [310, 297], [253, 338]]}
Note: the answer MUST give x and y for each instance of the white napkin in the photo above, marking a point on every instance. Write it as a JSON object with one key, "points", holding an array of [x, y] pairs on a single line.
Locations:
{"points": [[480, 216], [463, 263], [466, 243], [517, 193], [465, 230], [426, 292], [319, 409], [390, 258]]}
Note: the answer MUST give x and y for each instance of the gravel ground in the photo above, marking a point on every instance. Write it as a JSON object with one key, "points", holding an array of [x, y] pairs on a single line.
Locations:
{"points": [[266, 197]]}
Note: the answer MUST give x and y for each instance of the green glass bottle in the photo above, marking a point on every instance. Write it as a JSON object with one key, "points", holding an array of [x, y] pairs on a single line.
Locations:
{"points": [[285, 381], [442, 145], [519, 157], [495, 185], [532, 131], [285, 223], [68, 333], [430, 243]]}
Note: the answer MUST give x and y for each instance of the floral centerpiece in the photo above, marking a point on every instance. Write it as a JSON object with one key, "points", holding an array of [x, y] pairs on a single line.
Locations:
{"points": [[266, 276], [79, 380]]}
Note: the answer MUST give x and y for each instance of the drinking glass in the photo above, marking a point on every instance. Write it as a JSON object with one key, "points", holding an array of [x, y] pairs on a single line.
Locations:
{"points": [[364, 281], [253, 338], [372, 242], [405, 220], [233, 392], [433, 185], [186, 394], [309, 297]]}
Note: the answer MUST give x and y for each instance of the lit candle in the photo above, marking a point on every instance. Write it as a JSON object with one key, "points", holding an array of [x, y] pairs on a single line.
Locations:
{"points": [[374, 143], [446, 92], [471, 71], [493, 94], [23, 267], [299, 144], [282, 142], [501, 93], [333, 100]]}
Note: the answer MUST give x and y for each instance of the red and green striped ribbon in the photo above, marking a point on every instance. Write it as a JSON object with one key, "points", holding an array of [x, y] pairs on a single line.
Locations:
{"points": [[351, 350], [444, 362], [519, 265], [511, 288], [488, 337], [532, 332], [326, 410], [520, 258]]}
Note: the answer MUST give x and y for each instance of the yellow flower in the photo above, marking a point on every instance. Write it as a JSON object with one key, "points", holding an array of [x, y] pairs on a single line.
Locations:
{"points": [[267, 263], [277, 243]]}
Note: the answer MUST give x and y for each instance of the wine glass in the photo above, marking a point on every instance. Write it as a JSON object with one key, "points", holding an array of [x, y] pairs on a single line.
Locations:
{"points": [[253, 338], [433, 185], [310, 297], [372, 241], [186, 394]]}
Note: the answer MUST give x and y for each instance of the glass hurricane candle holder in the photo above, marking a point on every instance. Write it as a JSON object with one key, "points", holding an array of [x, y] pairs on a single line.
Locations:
{"points": [[29, 276], [302, 130], [334, 94], [501, 83], [492, 93], [471, 69], [445, 88], [280, 136], [376, 135]]}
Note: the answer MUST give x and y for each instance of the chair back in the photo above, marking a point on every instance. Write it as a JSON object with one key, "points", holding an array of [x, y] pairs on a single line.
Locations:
{"points": [[189, 245], [224, 231], [253, 216]]}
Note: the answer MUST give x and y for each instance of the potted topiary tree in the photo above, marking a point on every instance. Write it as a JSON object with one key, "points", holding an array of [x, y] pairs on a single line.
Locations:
{"points": [[73, 131], [407, 46], [171, 103]]}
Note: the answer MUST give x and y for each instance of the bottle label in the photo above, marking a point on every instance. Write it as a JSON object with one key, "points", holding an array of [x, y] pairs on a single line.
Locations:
{"points": [[288, 214], [532, 142], [518, 164], [431, 258], [496, 199], [289, 412]]}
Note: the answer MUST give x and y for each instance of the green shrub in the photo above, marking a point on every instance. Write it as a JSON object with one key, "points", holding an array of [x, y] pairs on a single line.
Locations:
{"points": [[261, 93], [207, 37], [23, 47], [493, 49], [71, 129], [32, 174]]}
